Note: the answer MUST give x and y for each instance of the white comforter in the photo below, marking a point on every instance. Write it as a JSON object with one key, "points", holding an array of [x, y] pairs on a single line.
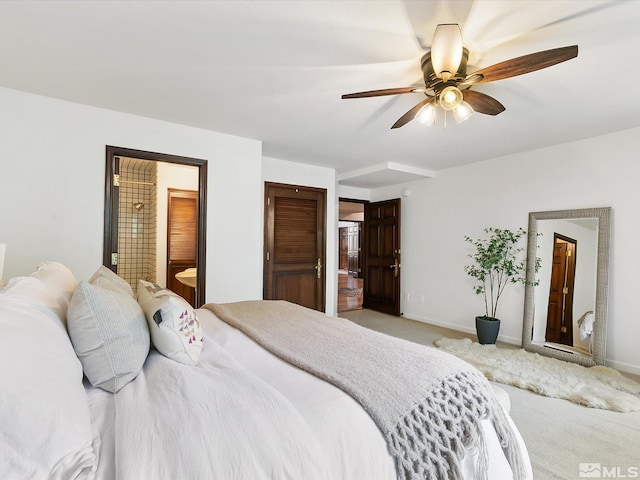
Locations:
{"points": [[242, 413]]}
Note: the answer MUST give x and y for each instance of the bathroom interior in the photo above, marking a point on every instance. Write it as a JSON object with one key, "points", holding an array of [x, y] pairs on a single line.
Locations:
{"points": [[144, 223]]}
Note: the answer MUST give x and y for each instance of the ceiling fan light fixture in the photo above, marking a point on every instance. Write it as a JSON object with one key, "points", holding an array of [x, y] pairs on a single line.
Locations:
{"points": [[446, 50], [462, 112], [427, 115], [450, 97]]}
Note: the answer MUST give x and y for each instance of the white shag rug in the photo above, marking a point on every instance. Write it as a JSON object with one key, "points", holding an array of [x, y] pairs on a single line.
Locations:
{"points": [[595, 387]]}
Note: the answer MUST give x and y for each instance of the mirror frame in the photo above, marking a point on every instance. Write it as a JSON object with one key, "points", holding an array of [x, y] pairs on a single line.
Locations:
{"points": [[602, 285]]}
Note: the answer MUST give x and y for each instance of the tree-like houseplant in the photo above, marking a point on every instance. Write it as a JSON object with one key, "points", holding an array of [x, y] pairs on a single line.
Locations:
{"points": [[496, 263]]}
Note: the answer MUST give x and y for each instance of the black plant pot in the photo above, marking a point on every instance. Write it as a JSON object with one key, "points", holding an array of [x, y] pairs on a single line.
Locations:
{"points": [[487, 330]]}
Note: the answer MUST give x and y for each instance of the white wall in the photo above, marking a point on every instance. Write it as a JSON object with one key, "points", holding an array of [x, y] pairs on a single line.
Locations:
{"points": [[52, 165], [596, 172], [353, 193], [52, 159], [281, 171], [170, 175]]}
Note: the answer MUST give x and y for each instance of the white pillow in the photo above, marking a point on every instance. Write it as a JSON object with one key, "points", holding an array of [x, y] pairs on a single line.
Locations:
{"points": [[175, 330], [44, 414], [109, 334], [61, 284], [106, 278]]}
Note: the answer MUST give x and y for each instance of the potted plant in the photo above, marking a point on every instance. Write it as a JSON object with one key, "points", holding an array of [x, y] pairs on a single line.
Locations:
{"points": [[496, 264]]}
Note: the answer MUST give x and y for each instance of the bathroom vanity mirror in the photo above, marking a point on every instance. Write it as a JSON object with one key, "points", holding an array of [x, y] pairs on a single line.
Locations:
{"points": [[565, 315]]}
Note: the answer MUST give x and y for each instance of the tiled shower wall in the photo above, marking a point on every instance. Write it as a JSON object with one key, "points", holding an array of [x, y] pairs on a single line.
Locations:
{"points": [[137, 221]]}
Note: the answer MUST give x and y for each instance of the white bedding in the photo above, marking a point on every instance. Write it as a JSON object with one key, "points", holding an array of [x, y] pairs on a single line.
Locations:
{"points": [[243, 413]]}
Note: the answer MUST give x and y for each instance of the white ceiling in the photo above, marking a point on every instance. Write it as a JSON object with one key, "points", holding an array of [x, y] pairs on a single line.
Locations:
{"points": [[275, 71]]}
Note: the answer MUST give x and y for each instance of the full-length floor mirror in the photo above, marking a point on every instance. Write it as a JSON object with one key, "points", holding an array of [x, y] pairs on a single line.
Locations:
{"points": [[565, 316]]}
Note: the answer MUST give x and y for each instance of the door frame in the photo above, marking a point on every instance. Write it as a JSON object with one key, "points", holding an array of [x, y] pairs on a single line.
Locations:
{"points": [[362, 256], [110, 233]]}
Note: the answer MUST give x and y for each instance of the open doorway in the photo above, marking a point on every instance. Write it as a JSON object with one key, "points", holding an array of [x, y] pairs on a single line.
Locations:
{"points": [[136, 233], [350, 271]]}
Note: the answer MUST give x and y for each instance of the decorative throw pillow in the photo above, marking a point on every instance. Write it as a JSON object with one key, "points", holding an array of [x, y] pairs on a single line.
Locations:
{"points": [[109, 334], [175, 330], [60, 282], [105, 278]]}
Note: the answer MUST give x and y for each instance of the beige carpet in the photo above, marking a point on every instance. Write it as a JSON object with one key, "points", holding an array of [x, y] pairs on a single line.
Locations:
{"points": [[595, 387], [559, 435]]}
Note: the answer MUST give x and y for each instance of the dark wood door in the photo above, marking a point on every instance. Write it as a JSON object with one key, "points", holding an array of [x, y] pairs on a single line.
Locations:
{"points": [[182, 239], [560, 309], [382, 256], [295, 239], [343, 247]]}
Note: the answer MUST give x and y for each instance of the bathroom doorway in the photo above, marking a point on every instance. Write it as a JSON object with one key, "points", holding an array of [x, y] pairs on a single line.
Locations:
{"points": [[136, 215]]}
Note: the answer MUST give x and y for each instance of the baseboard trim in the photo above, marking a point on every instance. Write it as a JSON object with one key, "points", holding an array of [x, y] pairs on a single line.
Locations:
{"points": [[461, 328], [623, 367], [620, 366], [431, 321]]}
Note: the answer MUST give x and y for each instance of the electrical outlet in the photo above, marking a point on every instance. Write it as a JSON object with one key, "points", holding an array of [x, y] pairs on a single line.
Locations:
{"points": [[406, 296], [421, 298]]}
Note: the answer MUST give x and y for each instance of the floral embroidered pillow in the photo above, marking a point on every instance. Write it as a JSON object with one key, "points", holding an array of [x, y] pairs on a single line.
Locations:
{"points": [[175, 330]]}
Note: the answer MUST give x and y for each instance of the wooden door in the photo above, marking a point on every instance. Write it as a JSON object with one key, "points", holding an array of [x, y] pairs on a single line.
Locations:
{"points": [[560, 309], [382, 256], [182, 239], [295, 240], [343, 247]]}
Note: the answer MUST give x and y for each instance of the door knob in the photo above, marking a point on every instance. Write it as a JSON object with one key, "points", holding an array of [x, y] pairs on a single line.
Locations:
{"points": [[318, 267], [395, 267]]}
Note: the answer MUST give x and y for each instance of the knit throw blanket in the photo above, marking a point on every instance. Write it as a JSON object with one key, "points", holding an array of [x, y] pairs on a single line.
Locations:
{"points": [[428, 404]]}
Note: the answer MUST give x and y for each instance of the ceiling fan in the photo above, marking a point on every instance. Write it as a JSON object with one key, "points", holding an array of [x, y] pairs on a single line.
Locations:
{"points": [[448, 85]]}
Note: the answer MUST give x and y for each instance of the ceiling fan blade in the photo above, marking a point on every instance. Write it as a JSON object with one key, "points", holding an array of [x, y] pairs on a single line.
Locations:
{"points": [[386, 91], [521, 65], [482, 103], [411, 114]]}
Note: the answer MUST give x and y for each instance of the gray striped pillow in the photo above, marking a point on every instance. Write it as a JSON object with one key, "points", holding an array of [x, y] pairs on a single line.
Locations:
{"points": [[109, 334]]}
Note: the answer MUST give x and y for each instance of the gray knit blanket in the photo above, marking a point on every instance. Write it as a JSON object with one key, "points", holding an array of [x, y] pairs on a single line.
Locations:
{"points": [[427, 403]]}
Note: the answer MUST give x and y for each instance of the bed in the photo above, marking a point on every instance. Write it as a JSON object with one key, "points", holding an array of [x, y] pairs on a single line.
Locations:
{"points": [[218, 404]]}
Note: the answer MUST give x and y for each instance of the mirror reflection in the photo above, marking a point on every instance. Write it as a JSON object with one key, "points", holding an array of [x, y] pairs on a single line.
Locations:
{"points": [[565, 315], [566, 296]]}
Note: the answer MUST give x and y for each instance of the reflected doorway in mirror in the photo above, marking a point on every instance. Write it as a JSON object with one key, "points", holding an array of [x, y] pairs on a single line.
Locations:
{"points": [[562, 285]]}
